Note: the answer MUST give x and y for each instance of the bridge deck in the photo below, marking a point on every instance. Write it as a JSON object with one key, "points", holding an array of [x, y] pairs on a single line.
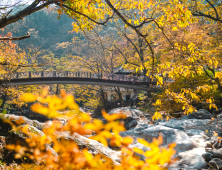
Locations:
{"points": [[127, 81]]}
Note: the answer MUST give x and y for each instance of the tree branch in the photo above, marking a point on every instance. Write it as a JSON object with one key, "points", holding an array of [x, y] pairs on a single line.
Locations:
{"points": [[15, 38], [145, 22], [25, 12], [200, 14], [99, 23], [135, 29], [125, 57], [213, 8]]}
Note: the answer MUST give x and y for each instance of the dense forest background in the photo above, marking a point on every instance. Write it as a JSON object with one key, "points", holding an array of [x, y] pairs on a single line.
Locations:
{"points": [[51, 33]]}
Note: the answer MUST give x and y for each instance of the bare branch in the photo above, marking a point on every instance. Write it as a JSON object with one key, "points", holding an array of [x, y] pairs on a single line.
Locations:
{"points": [[15, 38], [135, 29], [99, 23], [125, 57], [213, 8], [145, 22], [34, 7]]}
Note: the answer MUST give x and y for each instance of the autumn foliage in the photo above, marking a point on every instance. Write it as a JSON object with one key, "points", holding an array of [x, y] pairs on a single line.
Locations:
{"points": [[68, 153]]}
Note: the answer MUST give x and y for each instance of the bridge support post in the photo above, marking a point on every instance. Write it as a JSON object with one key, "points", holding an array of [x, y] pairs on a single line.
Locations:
{"points": [[66, 73], [42, 74], [78, 73], [30, 74], [90, 75], [57, 89], [17, 75]]}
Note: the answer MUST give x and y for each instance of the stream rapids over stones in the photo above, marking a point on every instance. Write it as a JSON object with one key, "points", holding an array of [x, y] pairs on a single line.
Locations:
{"points": [[196, 145]]}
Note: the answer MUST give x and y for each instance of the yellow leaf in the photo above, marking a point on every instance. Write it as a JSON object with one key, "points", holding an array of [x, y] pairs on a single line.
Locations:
{"points": [[144, 142], [84, 117], [38, 108], [158, 102], [112, 117], [127, 140], [139, 151], [28, 97]]}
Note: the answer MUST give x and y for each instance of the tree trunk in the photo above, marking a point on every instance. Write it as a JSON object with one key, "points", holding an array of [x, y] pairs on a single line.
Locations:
{"points": [[117, 90], [57, 89], [103, 98]]}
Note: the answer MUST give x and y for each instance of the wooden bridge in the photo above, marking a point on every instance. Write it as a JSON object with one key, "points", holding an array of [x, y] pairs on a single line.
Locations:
{"points": [[68, 77]]}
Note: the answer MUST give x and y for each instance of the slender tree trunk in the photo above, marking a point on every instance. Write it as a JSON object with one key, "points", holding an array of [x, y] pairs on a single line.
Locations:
{"points": [[57, 89], [103, 97], [117, 90]]}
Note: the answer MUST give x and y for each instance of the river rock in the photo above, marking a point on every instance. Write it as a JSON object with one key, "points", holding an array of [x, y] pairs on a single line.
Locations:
{"points": [[207, 156], [188, 134], [217, 154], [218, 111], [217, 144], [195, 124], [200, 114], [216, 163], [132, 116], [191, 159]]}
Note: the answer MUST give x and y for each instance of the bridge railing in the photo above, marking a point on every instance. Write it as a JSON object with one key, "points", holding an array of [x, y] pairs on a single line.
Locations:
{"points": [[104, 76]]}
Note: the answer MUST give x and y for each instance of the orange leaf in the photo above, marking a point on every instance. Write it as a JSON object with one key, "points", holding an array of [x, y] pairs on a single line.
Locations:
{"points": [[38, 108]]}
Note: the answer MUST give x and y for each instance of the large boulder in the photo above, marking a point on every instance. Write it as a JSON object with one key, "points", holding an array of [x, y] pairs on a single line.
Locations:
{"points": [[132, 116], [188, 134], [182, 139]]}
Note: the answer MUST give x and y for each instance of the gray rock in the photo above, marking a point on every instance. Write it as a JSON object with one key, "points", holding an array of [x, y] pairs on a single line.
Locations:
{"points": [[187, 124], [191, 159], [217, 154], [123, 134], [182, 140], [216, 163], [131, 124], [193, 132], [129, 112], [200, 114], [189, 136], [207, 156], [132, 116], [218, 111], [217, 144]]}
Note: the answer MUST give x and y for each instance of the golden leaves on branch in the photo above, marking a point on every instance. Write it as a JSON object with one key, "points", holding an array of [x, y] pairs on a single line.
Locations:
{"points": [[69, 153], [49, 105]]}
